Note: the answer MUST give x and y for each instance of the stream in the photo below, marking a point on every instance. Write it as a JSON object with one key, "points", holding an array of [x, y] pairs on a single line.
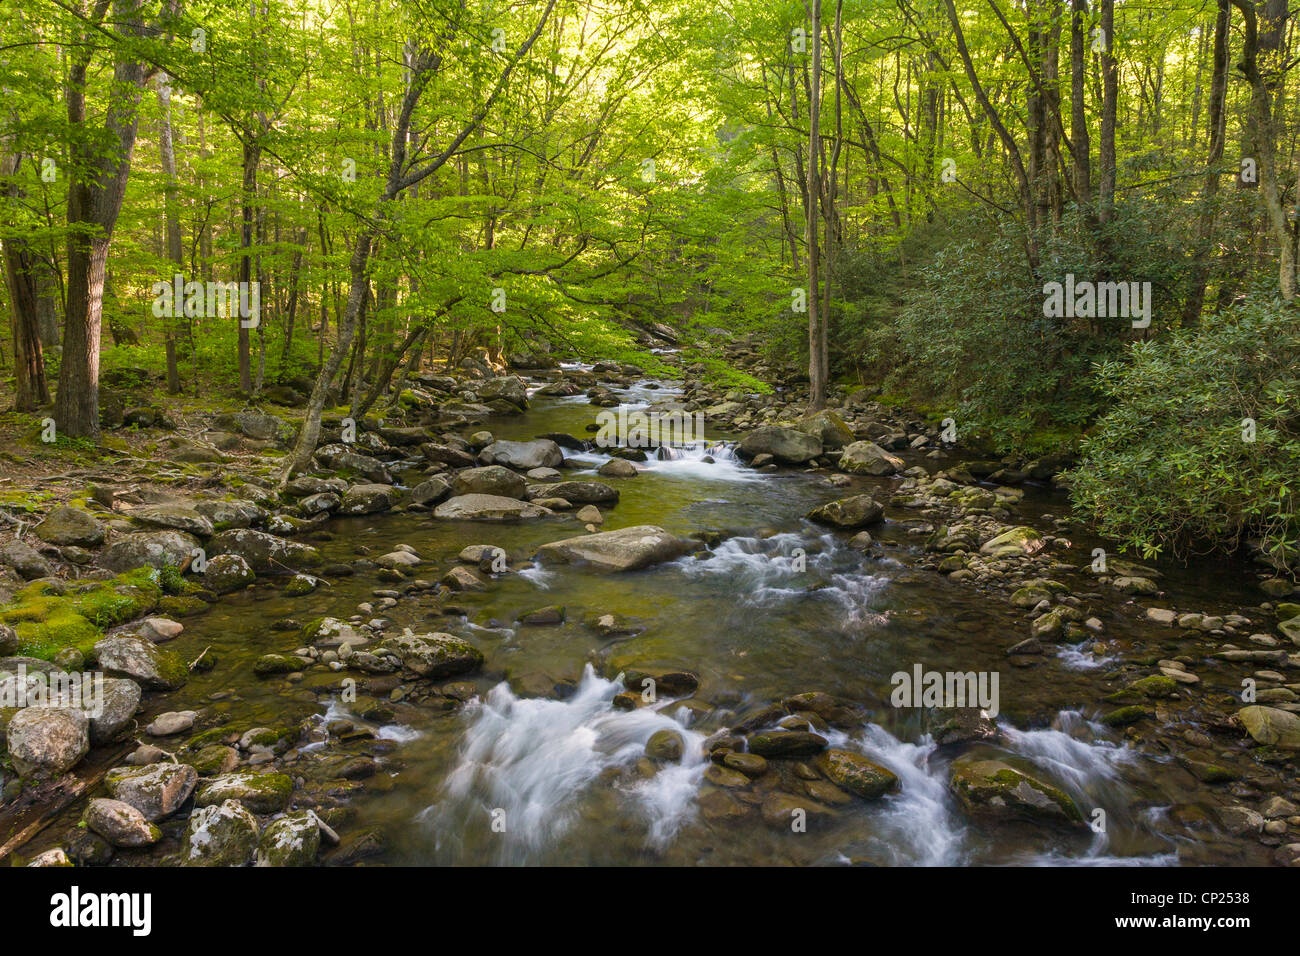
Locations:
{"points": [[539, 767]]}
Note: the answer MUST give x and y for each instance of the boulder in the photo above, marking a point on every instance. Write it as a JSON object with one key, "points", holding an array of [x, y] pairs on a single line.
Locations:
{"points": [[489, 480], [366, 499], [259, 792], [1271, 727], [157, 791], [120, 824], [855, 773], [508, 388], [226, 573], [995, 789], [855, 512], [1014, 542], [868, 458], [788, 445], [292, 840], [142, 661], [46, 742], [121, 701], [26, 560], [220, 835], [627, 549], [263, 551], [435, 656], [153, 549], [488, 508], [179, 517], [827, 426], [583, 492], [67, 525]]}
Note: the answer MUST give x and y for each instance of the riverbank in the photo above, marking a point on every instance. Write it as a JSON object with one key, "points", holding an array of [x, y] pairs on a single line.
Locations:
{"points": [[399, 652]]}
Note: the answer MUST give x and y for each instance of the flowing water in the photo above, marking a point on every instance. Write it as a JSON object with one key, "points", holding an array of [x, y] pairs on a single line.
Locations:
{"points": [[539, 767]]}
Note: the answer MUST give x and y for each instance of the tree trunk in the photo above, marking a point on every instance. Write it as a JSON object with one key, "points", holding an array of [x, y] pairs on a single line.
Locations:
{"points": [[175, 252], [816, 327]]}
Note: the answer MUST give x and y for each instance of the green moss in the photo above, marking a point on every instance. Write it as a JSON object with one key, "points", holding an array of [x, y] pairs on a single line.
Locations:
{"points": [[49, 618]]}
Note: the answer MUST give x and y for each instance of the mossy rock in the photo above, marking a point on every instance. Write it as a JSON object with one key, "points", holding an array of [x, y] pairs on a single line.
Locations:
{"points": [[991, 788], [48, 618], [1124, 716], [183, 606]]}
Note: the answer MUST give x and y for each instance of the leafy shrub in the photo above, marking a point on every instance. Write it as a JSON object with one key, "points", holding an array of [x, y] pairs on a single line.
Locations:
{"points": [[1169, 466]]}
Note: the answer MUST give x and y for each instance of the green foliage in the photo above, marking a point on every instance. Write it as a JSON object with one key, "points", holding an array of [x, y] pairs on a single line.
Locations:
{"points": [[1167, 468]]}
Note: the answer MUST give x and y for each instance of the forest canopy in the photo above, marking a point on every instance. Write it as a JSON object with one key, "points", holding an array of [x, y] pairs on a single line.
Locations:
{"points": [[302, 202]]}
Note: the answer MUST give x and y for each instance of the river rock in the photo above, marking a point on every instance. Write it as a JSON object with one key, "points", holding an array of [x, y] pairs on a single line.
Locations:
{"points": [[220, 835], [430, 492], [855, 512], [617, 468], [868, 458], [292, 840], [25, 559], [231, 513], [523, 455], [344, 459], [157, 790], [827, 426], [583, 492], [435, 656], [226, 573], [788, 445], [1271, 726], [367, 499], [66, 525], [627, 549], [153, 549], [259, 792], [488, 508], [856, 774], [121, 701], [786, 744], [508, 388], [142, 661], [265, 552], [665, 745], [120, 823], [1014, 542], [993, 788], [46, 742], [489, 480], [321, 503], [179, 517]]}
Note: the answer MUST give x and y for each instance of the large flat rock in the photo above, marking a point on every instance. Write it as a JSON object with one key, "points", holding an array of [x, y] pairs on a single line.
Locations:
{"points": [[627, 549], [488, 508]]}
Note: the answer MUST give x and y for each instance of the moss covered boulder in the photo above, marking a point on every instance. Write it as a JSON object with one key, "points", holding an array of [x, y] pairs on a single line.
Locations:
{"points": [[259, 792], [1015, 542], [142, 661], [157, 791], [223, 834], [435, 656], [856, 774], [992, 788], [292, 840]]}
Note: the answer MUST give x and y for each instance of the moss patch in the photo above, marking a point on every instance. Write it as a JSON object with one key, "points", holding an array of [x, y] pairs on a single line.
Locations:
{"points": [[48, 618]]}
